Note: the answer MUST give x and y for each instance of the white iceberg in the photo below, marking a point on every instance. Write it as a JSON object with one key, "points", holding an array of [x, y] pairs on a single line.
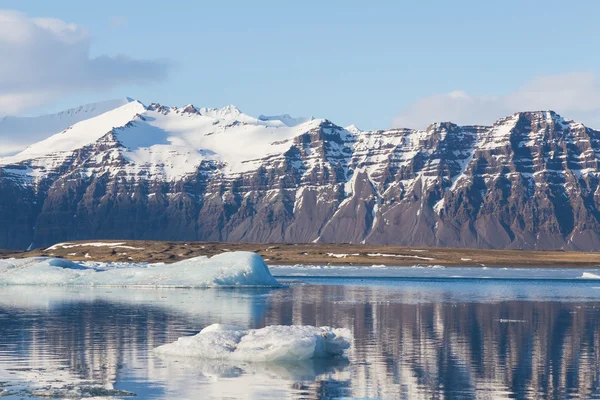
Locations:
{"points": [[276, 343], [232, 269], [589, 275]]}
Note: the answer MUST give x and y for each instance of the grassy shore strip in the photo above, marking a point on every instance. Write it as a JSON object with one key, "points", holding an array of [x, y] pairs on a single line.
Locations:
{"points": [[313, 254]]}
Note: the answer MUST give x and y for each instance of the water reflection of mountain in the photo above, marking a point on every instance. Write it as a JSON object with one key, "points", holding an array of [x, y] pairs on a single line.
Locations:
{"points": [[413, 349], [406, 345], [88, 335]]}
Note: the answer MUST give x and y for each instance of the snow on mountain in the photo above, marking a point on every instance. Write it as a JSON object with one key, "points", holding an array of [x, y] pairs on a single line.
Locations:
{"points": [[77, 136], [353, 129], [225, 135], [531, 180], [170, 142], [286, 119], [16, 133]]}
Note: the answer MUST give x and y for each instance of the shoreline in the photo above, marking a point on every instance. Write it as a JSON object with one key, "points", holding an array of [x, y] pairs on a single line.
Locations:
{"points": [[313, 254]]}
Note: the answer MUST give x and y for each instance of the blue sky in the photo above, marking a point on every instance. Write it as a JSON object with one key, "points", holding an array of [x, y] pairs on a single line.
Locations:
{"points": [[374, 64]]}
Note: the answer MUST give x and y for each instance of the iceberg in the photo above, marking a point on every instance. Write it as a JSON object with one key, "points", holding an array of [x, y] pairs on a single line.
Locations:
{"points": [[276, 343], [589, 275], [232, 269]]}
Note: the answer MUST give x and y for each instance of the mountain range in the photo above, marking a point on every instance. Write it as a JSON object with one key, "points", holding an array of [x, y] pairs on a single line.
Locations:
{"points": [[124, 170]]}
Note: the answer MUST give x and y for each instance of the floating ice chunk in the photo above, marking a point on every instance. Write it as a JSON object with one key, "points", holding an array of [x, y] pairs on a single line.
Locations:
{"points": [[275, 343], [429, 266], [232, 269], [589, 275]]}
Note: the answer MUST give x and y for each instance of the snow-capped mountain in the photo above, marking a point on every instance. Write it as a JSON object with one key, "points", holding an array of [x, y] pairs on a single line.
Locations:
{"points": [[16, 133], [154, 172]]}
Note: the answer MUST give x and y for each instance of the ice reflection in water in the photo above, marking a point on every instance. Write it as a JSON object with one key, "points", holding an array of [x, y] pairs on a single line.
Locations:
{"points": [[413, 339]]}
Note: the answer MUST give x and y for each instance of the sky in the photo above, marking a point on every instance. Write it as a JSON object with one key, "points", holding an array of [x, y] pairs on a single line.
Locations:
{"points": [[377, 64]]}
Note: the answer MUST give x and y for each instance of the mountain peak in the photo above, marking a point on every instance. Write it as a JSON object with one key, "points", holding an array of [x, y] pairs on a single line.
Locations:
{"points": [[286, 119], [441, 126], [16, 133], [353, 129], [190, 109], [93, 109], [227, 112], [548, 117], [539, 114]]}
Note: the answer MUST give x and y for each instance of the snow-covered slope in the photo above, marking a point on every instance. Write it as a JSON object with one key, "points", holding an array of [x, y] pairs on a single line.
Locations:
{"points": [[285, 119], [16, 133], [170, 143]]}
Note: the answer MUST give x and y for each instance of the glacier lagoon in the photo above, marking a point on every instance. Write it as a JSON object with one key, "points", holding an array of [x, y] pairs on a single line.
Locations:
{"points": [[416, 333]]}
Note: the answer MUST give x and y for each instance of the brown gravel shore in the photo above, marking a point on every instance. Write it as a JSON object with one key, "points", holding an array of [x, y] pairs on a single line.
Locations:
{"points": [[313, 254]]}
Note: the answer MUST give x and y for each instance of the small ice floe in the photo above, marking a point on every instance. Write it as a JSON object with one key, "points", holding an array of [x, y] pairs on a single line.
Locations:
{"points": [[274, 343], [428, 266], [70, 392], [589, 275], [49, 382], [233, 269]]}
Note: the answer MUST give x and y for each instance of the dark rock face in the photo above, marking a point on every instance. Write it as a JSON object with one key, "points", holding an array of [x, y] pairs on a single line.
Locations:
{"points": [[530, 181]]}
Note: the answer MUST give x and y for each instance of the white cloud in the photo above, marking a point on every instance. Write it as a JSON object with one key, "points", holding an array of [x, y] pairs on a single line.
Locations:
{"points": [[575, 96], [44, 59]]}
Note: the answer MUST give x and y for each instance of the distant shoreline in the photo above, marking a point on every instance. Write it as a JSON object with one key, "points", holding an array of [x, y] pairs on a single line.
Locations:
{"points": [[313, 254]]}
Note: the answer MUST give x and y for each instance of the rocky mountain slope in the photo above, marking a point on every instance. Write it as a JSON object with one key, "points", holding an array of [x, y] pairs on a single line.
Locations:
{"points": [[162, 173]]}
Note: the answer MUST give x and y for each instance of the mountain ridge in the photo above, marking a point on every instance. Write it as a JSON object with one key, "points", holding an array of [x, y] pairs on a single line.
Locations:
{"points": [[530, 180], [18, 132]]}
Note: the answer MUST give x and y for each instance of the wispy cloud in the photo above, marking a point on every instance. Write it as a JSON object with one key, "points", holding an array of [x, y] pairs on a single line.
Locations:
{"points": [[574, 96], [44, 59]]}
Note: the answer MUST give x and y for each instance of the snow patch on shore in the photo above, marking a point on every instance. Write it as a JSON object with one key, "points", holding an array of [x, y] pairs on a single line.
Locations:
{"points": [[270, 344], [120, 245], [399, 256], [342, 255]]}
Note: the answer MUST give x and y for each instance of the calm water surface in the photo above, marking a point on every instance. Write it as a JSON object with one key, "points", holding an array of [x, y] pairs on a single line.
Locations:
{"points": [[414, 338]]}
